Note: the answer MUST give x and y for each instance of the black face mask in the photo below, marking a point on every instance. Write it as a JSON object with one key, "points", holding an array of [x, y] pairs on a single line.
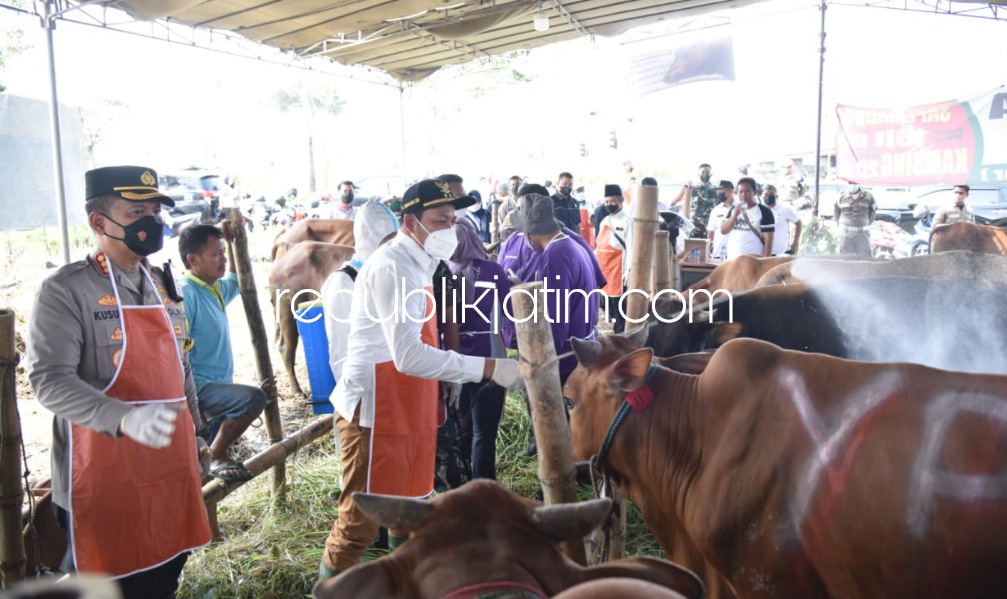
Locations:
{"points": [[565, 191], [346, 198], [769, 200], [613, 208], [721, 196], [513, 190], [704, 178], [143, 237]]}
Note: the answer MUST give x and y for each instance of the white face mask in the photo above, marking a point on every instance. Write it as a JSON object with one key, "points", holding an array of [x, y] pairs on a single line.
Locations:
{"points": [[461, 212], [440, 245]]}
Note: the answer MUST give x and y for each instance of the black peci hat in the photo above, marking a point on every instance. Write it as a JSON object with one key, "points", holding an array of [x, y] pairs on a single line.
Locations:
{"points": [[725, 184], [133, 183], [613, 191], [431, 193]]}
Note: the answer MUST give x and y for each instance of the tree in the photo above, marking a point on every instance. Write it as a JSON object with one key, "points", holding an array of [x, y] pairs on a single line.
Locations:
{"points": [[316, 102], [96, 119], [11, 41]]}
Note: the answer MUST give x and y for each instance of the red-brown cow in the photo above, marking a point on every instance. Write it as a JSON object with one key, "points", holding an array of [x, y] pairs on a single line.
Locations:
{"points": [[983, 239], [803, 475], [739, 274], [481, 540], [304, 265], [325, 230]]}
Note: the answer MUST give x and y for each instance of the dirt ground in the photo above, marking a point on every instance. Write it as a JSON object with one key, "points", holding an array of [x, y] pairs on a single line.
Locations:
{"points": [[25, 268]]}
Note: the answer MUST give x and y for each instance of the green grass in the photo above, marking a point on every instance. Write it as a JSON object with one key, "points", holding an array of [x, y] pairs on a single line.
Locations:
{"points": [[272, 550]]}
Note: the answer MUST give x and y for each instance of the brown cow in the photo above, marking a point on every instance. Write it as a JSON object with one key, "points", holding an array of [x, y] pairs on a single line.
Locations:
{"points": [[983, 239], [316, 229], [483, 540], [739, 274], [304, 265], [803, 475], [981, 269]]}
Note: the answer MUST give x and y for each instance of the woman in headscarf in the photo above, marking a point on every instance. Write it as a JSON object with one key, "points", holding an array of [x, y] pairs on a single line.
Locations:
{"points": [[482, 284]]}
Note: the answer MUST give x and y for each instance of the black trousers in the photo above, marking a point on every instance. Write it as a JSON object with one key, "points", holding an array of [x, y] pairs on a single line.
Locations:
{"points": [[157, 583], [482, 405], [614, 314]]}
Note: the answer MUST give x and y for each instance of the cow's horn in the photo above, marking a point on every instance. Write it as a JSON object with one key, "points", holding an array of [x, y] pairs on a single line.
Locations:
{"points": [[569, 521], [400, 514], [587, 352]]}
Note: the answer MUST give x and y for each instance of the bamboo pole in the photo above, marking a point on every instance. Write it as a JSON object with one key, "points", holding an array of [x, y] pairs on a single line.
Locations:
{"points": [[662, 261], [250, 300], [495, 222], [617, 538], [12, 566], [641, 256], [277, 453], [540, 369]]}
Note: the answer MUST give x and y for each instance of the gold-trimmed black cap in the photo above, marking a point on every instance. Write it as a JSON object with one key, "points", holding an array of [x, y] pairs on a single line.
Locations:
{"points": [[431, 193], [133, 183]]}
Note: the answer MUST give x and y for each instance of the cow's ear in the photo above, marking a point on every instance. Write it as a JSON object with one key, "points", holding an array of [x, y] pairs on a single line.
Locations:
{"points": [[629, 373], [570, 521], [723, 332], [400, 514], [587, 352]]}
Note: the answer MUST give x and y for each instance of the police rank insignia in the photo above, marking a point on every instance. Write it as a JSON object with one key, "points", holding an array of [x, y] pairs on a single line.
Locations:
{"points": [[147, 179], [102, 262], [106, 300]]}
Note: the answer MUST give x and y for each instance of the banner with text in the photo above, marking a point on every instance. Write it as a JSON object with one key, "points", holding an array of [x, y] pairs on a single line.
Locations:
{"points": [[944, 143]]}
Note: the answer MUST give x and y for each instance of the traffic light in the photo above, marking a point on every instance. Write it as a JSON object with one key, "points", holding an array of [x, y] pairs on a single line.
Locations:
{"points": [[583, 150], [613, 142]]}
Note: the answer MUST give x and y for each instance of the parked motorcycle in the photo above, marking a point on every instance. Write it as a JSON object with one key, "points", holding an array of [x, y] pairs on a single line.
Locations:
{"points": [[890, 241]]}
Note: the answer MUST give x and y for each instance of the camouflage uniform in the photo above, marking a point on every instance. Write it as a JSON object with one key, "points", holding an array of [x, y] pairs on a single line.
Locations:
{"points": [[854, 215], [701, 203]]}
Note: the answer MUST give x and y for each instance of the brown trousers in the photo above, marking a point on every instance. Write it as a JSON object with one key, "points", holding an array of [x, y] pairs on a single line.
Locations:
{"points": [[352, 532]]}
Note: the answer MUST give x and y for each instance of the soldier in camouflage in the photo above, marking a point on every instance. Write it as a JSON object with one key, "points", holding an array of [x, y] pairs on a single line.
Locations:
{"points": [[854, 213], [702, 199]]}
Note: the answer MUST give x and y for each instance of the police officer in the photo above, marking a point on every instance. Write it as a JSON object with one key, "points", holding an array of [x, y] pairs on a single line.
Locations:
{"points": [[854, 213]]}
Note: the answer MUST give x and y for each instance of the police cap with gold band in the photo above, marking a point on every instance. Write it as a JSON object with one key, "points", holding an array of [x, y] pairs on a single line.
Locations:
{"points": [[133, 183], [431, 193]]}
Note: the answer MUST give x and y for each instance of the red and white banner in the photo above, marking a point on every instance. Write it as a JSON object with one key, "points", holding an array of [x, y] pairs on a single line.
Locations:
{"points": [[945, 143]]}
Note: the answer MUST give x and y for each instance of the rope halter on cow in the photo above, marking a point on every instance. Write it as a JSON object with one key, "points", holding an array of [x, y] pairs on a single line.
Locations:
{"points": [[638, 400]]}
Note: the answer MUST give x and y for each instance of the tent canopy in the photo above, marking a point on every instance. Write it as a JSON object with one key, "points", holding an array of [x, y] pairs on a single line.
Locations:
{"points": [[410, 39]]}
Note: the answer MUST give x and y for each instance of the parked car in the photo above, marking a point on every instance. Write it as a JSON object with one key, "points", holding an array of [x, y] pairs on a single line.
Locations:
{"points": [[193, 190]]}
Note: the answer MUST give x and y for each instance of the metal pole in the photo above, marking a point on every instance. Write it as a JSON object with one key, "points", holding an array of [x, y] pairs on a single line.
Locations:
{"points": [[402, 130], [821, 81], [48, 23]]}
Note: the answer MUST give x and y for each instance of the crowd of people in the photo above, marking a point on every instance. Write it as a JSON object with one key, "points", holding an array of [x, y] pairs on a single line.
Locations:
{"points": [[138, 370]]}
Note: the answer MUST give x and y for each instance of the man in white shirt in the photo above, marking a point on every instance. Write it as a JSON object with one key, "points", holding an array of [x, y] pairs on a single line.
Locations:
{"points": [[750, 226], [719, 214], [386, 399], [784, 216]]}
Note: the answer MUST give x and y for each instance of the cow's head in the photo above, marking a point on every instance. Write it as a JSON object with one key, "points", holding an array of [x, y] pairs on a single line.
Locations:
{"points": [[607, 369], [684, 329]]}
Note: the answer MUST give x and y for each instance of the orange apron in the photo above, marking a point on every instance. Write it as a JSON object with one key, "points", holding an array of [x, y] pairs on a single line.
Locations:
{"points": [[132, 507], [404, 437], [586, 228], [610, 260]]}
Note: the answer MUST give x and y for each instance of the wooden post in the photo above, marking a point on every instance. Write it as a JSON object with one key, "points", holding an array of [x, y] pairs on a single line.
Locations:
{"points": [[662, 261], [276, 453], [12, 566], [641, 258], [540, 369], [250, 300], [617, 538], [495, 223]]}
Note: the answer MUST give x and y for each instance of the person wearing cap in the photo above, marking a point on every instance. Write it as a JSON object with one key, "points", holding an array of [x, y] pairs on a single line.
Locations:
{"points": [[702, 200], [750, 227], [854, 213], [610, 250], [386, 398], [720, 213], [106, 356], [209, 286], [784, 216]]}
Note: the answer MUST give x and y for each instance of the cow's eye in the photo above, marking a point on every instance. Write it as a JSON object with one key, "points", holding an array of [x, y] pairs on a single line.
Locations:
{"points": [[568, 402]]}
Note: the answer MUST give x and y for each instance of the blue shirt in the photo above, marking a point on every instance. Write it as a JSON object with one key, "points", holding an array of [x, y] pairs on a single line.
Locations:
{"points": [[205, 309]]}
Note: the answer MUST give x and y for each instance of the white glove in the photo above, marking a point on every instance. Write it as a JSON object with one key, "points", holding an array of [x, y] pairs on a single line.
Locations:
{"points": [[454, 395], [506, 373], [151, 425]]}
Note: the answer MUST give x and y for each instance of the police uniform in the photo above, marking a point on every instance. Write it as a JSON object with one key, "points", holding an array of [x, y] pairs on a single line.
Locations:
{"points": [[854, 214], [101, 344], [952, 215]]}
